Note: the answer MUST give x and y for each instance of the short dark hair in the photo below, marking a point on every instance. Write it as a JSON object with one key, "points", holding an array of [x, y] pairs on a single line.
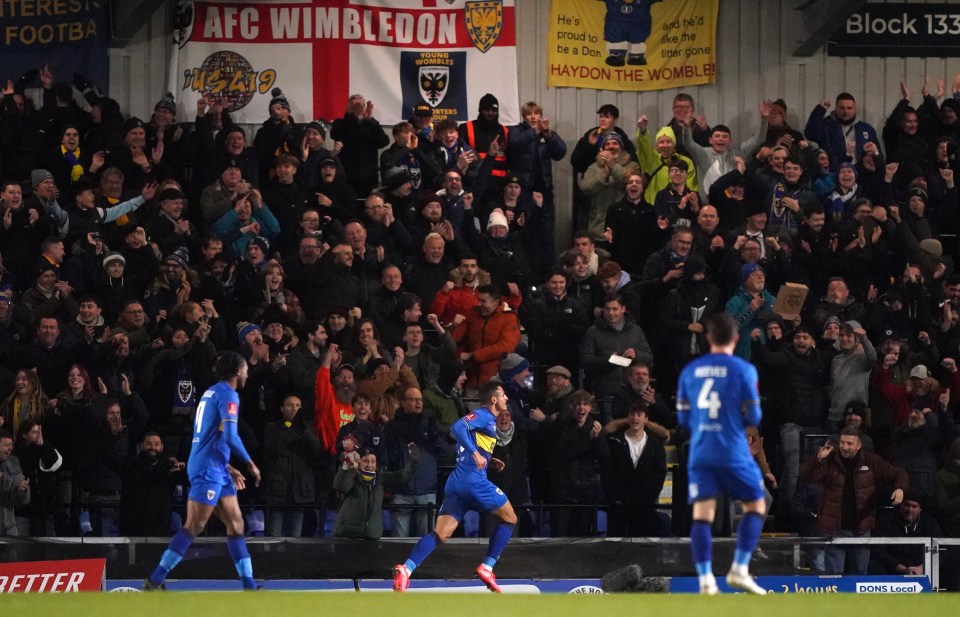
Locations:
{"points": [[582, 233], [557, 271], [406, 301], [88, 297], [721, 128], [637, 406], [151, 434], [446, 125], [794, 160], [308, 327], [228, 365], [720, 329], [48, 242], [5, 435], [845, 96], [490, 289], [852, 430], [487, 391]]}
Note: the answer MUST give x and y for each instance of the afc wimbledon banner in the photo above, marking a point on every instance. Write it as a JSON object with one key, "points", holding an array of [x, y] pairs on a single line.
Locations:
{"points": [[397, 53], [632, 44]]}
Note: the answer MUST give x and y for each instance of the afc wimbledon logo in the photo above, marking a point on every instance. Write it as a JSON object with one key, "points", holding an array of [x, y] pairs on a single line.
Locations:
{"points": [[484, 21], [433, 83], [185, 389]]}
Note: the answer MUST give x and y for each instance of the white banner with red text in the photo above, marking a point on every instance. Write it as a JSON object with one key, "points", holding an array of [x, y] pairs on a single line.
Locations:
{"points": [[397, 53], [53, 576]]}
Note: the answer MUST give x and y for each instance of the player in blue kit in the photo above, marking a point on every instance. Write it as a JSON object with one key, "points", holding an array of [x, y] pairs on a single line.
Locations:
{"points": [[468, 488], [213, 482], [717, 399]]}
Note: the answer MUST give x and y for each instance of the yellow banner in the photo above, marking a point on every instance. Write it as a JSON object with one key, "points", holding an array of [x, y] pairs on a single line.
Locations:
{"points": [[632, 44]]}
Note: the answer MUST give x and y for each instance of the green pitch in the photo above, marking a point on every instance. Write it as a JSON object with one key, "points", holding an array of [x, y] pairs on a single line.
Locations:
{"points": [[291, 604]]}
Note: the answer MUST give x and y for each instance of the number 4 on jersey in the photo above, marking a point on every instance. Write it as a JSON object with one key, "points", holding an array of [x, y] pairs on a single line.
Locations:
{"points": [[709, 400]]}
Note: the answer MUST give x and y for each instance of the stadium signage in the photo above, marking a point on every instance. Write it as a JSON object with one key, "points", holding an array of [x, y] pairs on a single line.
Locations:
{"points": [[53, 576], [899, 30]]}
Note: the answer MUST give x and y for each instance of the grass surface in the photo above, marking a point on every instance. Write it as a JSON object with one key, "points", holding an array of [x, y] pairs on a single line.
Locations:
{"points": [[291, 604]]}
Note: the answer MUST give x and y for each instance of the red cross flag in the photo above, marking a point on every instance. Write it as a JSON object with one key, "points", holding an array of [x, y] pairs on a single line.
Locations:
{"points": [[397, 53]]}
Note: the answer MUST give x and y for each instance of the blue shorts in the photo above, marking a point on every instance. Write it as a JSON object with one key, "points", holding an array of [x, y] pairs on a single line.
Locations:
{"points": [[208, 490], [742, 483], [460, 496]]}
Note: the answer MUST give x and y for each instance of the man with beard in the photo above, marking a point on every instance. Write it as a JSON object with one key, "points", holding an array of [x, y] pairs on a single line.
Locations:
{"points": [[213, 482], [910, 521], [849, 510], [147, 489], [459, 295], [633, 228], [336, 281], [334, 398], [832, 132]]}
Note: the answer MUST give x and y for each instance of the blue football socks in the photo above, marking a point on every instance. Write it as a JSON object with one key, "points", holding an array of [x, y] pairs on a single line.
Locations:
{"points": [[748, 532], [422, 550], [237, 547], [498, 541], [172, 556], [701, 546]]}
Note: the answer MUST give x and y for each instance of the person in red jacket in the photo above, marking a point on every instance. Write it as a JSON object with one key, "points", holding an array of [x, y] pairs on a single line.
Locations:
{"points": [[334, 406], [459, 295], [920, 391], [485, 335]]}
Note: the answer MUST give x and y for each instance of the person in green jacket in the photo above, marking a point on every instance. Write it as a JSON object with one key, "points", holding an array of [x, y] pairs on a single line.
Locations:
{"points": [[361, 513]]}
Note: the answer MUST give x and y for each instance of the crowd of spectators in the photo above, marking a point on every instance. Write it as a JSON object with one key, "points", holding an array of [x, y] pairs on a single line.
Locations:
{"points": [[373, 285]]}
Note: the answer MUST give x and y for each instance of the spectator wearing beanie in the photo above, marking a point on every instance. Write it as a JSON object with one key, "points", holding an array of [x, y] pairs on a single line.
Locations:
{"points": [[278, 134], [746, 306]]}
